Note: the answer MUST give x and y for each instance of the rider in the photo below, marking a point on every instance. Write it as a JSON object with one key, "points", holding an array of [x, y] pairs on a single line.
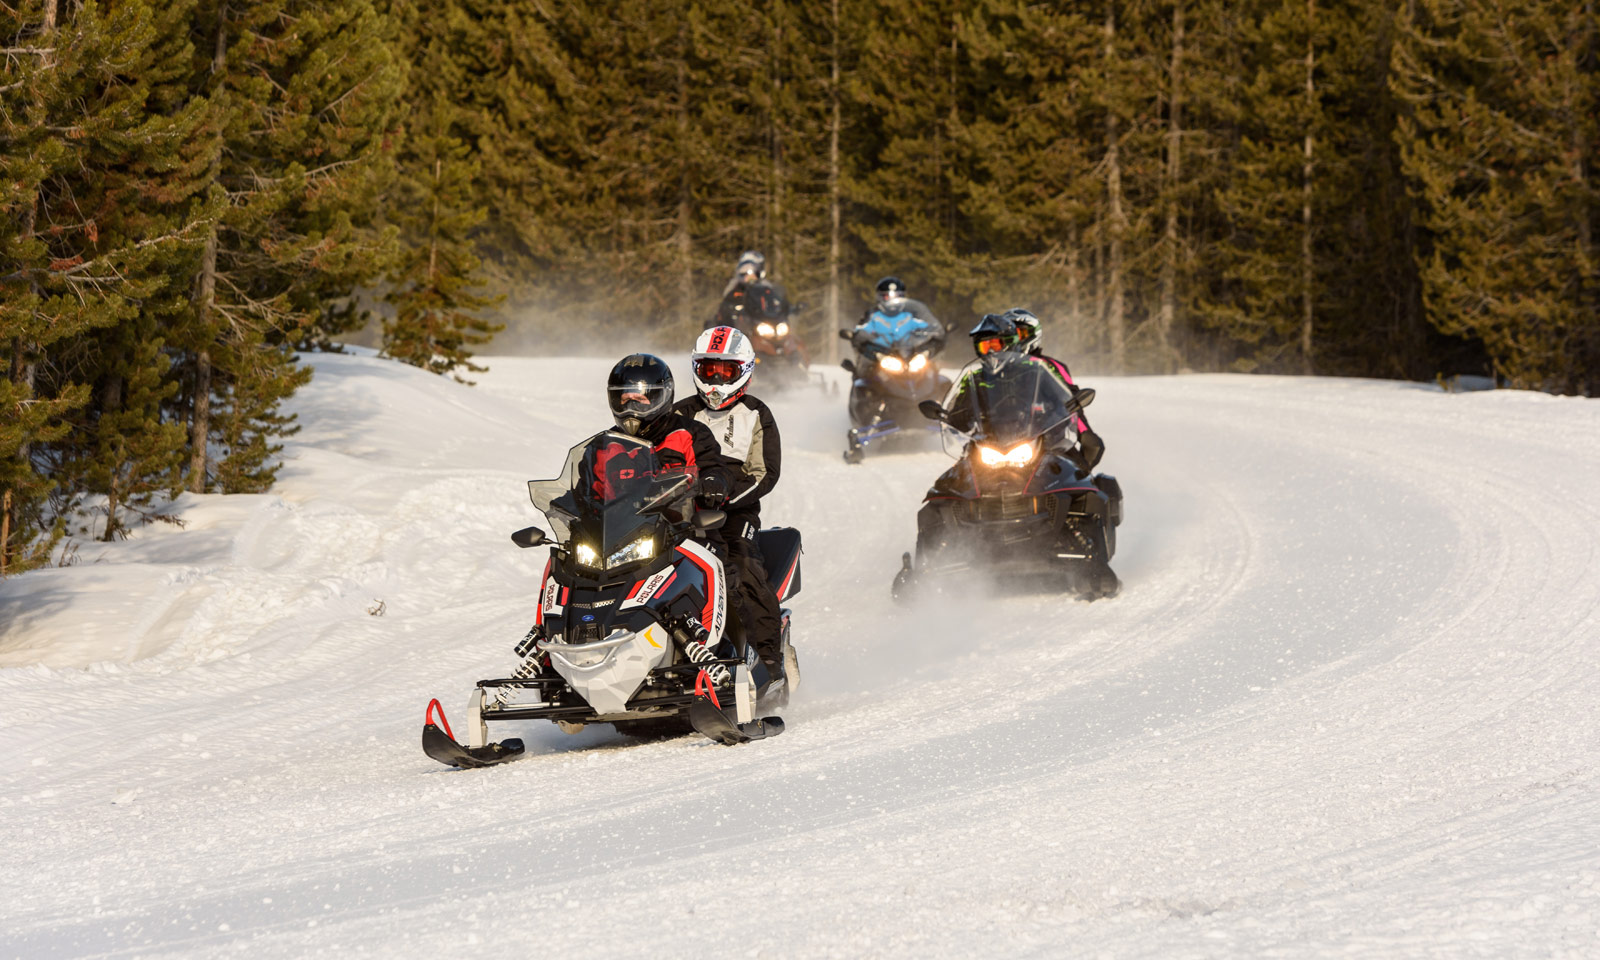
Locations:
{"points": [[997, 341], [752, 266], [723, 362], [640, 392], [1028, 335], [892, 300], [762, 299]]}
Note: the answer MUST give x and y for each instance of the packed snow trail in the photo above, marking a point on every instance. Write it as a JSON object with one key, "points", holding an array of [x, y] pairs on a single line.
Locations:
{"points": [[1343, 705]]}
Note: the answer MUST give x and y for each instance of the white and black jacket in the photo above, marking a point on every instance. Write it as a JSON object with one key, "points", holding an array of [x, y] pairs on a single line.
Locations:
{"points": [[748, 436]]}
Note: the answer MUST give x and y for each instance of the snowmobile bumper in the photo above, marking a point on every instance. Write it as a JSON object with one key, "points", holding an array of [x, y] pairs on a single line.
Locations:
{"points": [[669, 690]]}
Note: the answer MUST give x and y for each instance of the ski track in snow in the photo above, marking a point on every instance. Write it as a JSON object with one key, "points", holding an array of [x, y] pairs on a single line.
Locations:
{"points": [[1343, 706]]}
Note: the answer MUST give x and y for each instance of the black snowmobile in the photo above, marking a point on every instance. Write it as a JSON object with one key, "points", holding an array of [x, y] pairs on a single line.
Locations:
{"points": [[894, 370], [1019, 503], [633, 627], [761, 312]]}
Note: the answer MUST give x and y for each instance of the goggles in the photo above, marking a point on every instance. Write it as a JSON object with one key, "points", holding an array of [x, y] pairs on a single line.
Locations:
{"points": [[990, 345], [718, 371]]}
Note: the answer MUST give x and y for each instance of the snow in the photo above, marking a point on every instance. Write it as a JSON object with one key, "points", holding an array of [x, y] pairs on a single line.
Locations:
{"points": [[1344, 705]]}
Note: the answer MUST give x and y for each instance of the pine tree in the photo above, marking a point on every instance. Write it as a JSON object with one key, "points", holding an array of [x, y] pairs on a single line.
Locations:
{"points": [[437, 314], [910, 160], [1501, 146], [308, 92], [96, 155]]}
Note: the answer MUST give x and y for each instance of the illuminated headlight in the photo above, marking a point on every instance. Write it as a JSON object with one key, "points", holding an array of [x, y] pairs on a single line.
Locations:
{"points": [[1015, 457], [783, 329], [765, 329], [586, 555], [891, 364], [641, 549], [918, 362]]}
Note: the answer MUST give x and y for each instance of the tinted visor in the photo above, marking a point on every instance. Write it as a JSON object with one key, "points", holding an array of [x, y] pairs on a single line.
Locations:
{"points": [[639, 398], [717, 371], [989, 345]]}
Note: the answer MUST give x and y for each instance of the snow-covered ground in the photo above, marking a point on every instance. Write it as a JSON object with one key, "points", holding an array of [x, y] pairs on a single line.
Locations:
{"points": [[1345, 704]]}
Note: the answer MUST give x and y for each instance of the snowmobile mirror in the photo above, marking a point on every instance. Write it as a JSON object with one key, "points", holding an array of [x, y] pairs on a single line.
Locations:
{"points": [[1083, 398], [709, 520], [528, 537], [931, 410], [844, 334], [849, 365]]}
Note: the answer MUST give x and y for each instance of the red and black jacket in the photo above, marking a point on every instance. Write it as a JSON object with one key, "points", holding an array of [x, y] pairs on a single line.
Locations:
{"points": [[684, 441]]}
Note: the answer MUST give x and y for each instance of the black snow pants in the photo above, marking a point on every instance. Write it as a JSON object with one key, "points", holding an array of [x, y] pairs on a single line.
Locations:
{"points": [[758, 605]]}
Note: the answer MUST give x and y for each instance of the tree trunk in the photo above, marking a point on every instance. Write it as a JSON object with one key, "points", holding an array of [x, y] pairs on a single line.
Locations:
{"points": [[685, 267], [1307, 273], [24, 367], [5, 531], [1117, 219], [1074, 284], [831, 334], [777, 232], [205, 299], [1169, 264], [110, 402]]}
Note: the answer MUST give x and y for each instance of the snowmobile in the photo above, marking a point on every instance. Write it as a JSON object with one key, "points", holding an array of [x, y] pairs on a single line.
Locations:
{"points": [[1019, 502], [761, 312], [893, 372], [633, 627]]}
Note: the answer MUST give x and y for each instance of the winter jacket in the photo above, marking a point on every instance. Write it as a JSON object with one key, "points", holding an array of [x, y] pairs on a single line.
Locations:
{"points": [[680, 440], [748, 439]]}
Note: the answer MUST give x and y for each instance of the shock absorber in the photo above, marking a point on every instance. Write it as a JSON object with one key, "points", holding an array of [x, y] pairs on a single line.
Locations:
{"points": [[698, 652], [528, 650]]}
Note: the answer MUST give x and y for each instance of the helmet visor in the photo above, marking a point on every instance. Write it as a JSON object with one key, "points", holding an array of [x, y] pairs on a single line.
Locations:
{"points": [[716, 371], [642, 399]]}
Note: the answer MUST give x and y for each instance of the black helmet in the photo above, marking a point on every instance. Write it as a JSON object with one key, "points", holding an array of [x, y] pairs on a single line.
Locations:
{"points": [[890, 291], [640, 390], [994, 338], [1027, 328]]}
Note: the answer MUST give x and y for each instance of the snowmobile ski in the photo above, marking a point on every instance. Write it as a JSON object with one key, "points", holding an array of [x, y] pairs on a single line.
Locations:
{"points": [[713, 724], [444, 748]]}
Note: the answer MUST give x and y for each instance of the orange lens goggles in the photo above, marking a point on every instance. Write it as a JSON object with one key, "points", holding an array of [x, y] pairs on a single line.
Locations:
{"points": [[991, 345]]}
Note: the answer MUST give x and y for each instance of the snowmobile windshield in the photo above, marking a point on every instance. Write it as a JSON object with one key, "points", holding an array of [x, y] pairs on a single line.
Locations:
{"points": [[1018, 402], [901, 334], [616, 500]]}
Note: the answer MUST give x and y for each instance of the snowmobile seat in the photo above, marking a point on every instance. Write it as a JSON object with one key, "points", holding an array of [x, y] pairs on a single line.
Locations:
{"points": [[780, 553]]}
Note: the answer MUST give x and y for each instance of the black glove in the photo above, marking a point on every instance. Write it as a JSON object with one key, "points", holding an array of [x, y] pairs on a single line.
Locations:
{"points": [[713, 492]]}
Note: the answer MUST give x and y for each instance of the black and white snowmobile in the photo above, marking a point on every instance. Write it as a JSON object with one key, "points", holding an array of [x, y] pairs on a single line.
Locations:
{"points": [[633, 626], [893, 371], [1018, 504]]}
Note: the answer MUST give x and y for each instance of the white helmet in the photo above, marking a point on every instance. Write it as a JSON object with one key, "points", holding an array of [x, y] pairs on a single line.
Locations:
{"points": [[723, 361]]}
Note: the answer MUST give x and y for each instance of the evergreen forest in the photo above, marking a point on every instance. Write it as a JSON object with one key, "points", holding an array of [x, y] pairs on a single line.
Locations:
{"points": [[196, 192]]}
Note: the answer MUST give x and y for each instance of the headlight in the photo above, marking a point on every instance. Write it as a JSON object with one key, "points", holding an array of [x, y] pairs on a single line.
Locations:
{"points": [[891, 363], [765, 329], [918, 362], [641, 549], [783, 329], [586, 555], [1015, 457]]}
